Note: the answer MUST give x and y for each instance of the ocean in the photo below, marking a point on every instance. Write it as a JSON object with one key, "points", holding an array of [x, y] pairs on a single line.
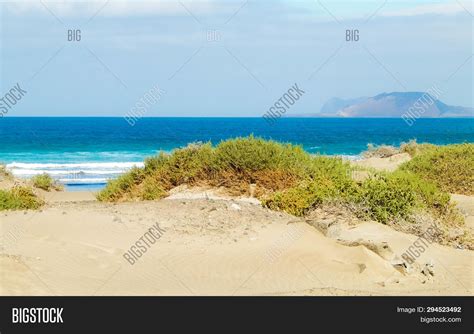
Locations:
{"points": [[84, 152]]}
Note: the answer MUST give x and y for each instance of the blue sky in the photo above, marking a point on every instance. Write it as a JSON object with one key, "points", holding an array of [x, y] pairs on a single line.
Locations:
{"points": [[264, 47]]}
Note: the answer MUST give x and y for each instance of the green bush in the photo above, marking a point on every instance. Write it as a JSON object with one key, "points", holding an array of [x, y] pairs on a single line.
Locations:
{"points": [[450, 167], [119, 188], [151, 189], [19, 198], [154, 163], [45, 182], [189, 164], [287, 179], [328, 179], [386, 197], [295, 201], [328, 167], [389, 196], [233, 164], [250, 154], [413, 148], [304, 197]]}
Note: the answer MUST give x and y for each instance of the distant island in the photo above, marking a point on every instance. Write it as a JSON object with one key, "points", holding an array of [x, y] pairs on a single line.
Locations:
{"points": [[394, 104]]}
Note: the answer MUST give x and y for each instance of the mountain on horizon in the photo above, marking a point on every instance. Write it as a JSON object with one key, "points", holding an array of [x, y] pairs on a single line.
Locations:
{"points": [[393, 104]]}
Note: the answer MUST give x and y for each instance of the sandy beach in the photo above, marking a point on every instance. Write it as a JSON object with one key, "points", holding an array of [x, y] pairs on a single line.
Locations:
{"points": [[159, 158], [214, 244]]}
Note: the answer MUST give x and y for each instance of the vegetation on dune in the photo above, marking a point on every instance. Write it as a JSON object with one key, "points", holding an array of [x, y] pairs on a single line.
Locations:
{"points": [[384, 151], [450, 167], [398, 195], [327, 180], [413, 148], [4, 173], [46, 182], [19, 198], [380, 151], [286, 178], [232, 164], [384, 197]]}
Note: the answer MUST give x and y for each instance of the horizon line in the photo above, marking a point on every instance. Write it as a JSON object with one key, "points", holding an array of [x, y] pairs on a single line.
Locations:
{"points": [[288, 117]]}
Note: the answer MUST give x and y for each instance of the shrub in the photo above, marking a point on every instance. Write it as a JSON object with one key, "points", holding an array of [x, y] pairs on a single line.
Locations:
{"points": [[295, 201], [329, 179], [304, 197], [382, 151], [233, 164], [154, 163], [287, 179], [450, 167], [119, 188], [45, 182], [151, 189], [250, 154], [19, 198], [384, 197], [333, 167], [413, 148], [189, 164], [387, 197]]}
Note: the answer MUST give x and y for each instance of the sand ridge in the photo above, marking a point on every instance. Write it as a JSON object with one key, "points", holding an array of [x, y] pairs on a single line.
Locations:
{"points": [[210, 247]]}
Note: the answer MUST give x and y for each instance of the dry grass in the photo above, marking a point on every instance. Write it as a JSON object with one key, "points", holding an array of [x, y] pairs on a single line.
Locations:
{"points": [[45, 182], [19, 198]]}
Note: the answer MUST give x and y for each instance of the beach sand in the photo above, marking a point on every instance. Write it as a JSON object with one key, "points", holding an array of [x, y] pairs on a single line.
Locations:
{"points": [[215, 245], [383, 164]]}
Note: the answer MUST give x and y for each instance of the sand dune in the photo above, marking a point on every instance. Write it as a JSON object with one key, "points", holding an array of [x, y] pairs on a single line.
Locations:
{"points": [[210, 247], [466, 205], [383, 164]]}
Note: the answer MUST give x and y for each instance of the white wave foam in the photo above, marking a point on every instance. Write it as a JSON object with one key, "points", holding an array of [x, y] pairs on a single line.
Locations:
{"points": [[73, 173], [109, 165]]}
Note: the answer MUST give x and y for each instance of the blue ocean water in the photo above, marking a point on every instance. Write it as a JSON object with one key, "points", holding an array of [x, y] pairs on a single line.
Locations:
{"points": [[90, 150]]}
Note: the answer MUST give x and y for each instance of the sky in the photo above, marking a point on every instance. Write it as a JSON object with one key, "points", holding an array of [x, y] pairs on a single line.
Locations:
{"points": [[229, 58]]}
